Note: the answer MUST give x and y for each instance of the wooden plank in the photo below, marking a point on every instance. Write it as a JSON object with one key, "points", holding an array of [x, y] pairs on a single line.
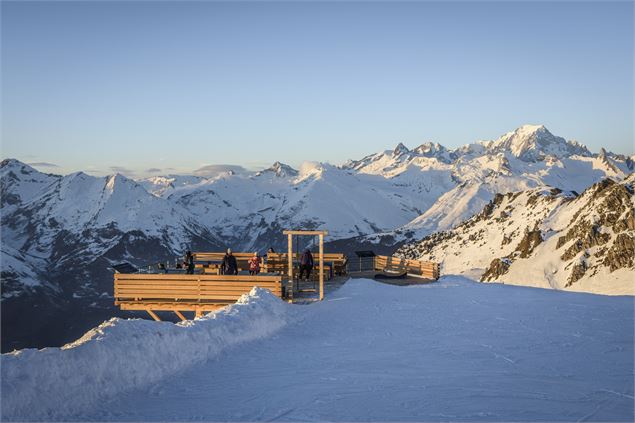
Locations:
{"points": [[185, 277], [194, 286], [132, 290], [152, 278], [202, 295], [148, 288], [291, 232], [161, 306]]}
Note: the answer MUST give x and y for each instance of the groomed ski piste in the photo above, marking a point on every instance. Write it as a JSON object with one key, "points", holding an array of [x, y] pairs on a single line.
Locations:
{"points": [[454, 350]]}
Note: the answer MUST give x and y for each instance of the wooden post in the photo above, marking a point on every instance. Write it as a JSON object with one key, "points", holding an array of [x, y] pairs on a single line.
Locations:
{"points": [[153, 315], [321, 266], [290, 285]]}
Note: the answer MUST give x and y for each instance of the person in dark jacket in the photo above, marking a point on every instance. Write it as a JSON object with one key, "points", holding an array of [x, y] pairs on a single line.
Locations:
{"points": [[306, 264], [229, 265], [188, 263]]}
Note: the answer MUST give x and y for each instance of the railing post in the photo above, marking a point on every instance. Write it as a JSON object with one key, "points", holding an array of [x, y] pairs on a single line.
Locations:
{"points": [[321, 236]]}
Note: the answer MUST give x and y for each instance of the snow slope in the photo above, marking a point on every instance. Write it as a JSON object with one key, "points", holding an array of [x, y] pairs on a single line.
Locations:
{"points": [[546, 238], [52, 223], [121, 355], [452, 351]]}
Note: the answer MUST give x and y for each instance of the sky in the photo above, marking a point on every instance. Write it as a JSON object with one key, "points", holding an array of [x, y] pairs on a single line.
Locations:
{"points": [[146, 88]]}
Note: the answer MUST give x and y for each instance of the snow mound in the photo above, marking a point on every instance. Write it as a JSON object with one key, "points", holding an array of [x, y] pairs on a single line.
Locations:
{"points": [[120, 355]]}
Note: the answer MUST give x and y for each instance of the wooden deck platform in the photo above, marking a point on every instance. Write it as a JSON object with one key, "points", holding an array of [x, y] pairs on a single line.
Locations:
{"points": [[178, 293], [204, 292]]}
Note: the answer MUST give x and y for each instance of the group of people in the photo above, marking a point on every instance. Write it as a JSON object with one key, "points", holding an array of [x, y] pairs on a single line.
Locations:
{"points": [[229, 265]]}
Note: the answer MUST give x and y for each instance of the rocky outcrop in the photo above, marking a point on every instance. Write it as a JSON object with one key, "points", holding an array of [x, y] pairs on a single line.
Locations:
{"points": [[622, 253], [497, 268], [606, 220], [545, 237], [530, 241]]}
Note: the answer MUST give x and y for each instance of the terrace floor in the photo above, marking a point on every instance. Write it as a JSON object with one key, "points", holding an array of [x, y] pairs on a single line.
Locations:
{"points": [[307, 295]]}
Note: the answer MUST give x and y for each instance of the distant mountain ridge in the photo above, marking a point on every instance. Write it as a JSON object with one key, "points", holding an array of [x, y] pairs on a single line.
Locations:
{"points": [[61, 233]]}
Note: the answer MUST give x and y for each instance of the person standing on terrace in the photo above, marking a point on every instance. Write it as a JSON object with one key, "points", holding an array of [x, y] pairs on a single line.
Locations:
{"points": [[229, 266], [306, 263], [188, 263], [254, 264]]}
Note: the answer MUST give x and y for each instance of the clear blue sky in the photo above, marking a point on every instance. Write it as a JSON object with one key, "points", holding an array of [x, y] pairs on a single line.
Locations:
{"points": [[175, 86]]}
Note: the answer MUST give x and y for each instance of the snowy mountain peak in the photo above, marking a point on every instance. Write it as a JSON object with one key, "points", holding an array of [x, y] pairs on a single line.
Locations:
{"points": [[400, 149], [531, 143], [436, 150], [531, 129], [280, 170], [283, 170], [429, 148], [8, 165]]}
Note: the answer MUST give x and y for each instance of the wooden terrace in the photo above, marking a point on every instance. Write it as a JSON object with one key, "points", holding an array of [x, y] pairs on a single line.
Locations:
{"points": [[207, 290]]}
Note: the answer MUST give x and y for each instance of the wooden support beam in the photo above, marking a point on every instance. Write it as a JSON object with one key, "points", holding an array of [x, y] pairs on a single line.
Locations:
{"points": [[321, 254], [153, 315], [305, 233], [290, 264], [198, 313], [180, 315]]}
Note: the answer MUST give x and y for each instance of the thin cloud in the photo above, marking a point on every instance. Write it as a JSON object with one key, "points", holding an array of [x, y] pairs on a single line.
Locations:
{"points": [[258, 165], [154, 170], [43, 164], [213, 170], [122, 170]]}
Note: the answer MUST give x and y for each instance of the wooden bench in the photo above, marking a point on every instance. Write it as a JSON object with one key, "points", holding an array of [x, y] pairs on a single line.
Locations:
{"points": [[279, 263], [425, 269], [210, 262], [178, 293]]}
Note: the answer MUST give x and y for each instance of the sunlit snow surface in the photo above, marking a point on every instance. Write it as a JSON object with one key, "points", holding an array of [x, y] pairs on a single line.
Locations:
{"points": [[449, 351]]}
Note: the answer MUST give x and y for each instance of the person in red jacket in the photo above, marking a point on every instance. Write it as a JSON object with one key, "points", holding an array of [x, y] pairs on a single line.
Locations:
{"points": [[254, 264]]}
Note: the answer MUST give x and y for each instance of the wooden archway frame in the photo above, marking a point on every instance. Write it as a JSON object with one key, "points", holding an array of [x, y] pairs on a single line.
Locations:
{"points": [[321, 235]]}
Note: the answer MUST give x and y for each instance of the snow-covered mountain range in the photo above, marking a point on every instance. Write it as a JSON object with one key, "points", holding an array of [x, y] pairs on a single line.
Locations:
{"points": [[545, 238], [60, 233]]}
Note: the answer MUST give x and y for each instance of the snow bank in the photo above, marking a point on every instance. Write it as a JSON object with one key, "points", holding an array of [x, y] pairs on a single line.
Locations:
{"points": [[123, 354]]}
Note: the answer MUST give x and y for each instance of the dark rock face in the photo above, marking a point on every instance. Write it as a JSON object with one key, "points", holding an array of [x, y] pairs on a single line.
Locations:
{"points": [[491, 206], [591, 237], [577, 272], [611, 204], [530, 241], [497, 268], [425, 246], [622, 253]]}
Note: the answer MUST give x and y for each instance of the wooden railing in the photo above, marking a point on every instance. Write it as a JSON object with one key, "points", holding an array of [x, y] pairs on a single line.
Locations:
{"points": [[210, 262], [178, 292], [426, 269], [279, 262]]}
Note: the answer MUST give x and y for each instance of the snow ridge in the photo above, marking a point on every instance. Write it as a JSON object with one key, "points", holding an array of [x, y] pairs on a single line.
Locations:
{"points": [[121, 355]]}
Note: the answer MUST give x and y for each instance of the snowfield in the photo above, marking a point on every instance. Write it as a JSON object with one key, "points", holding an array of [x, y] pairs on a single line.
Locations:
{"points": [[452, 351]]}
